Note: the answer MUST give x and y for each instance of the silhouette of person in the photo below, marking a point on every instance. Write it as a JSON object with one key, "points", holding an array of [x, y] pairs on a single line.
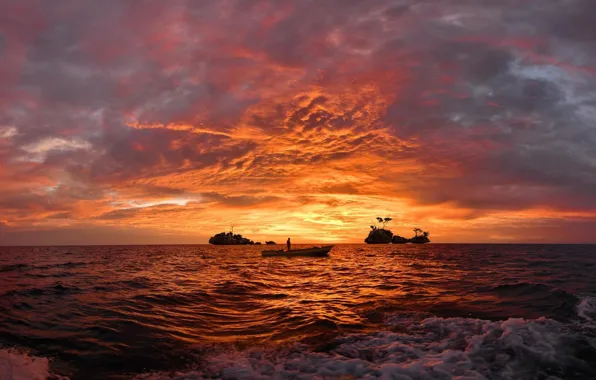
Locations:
{"points": [[289, 244]]}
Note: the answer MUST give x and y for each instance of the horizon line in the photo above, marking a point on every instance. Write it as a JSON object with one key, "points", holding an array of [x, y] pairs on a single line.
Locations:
{"points": [[308, 243]]}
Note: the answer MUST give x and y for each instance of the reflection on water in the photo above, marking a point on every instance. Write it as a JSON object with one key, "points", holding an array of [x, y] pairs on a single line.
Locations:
{"points": [[106, 310]]}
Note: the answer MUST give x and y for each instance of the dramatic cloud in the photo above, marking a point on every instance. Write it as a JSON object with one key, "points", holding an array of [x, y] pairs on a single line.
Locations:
{"points": [[473, 119]]}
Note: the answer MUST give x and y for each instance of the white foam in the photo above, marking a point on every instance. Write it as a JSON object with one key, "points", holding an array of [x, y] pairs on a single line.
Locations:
{"points": [[586, 309], [420, 349], [16, 365]]}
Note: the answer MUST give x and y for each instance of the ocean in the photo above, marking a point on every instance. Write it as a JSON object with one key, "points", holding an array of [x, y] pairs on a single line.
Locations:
{"points": [[375, 312]]}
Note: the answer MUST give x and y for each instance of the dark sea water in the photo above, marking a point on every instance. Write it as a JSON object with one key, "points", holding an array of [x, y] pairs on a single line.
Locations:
{"points": [[387, 312]]}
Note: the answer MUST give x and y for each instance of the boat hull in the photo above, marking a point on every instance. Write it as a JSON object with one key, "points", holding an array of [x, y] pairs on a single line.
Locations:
{"points": [[310, 252]]}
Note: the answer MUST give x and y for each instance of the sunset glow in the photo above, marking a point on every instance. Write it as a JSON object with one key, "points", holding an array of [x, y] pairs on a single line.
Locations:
{"points": [[170, 121]]}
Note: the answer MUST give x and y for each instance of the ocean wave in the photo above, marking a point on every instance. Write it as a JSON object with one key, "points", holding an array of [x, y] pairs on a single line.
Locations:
{"points": [[236, 288], [135, 283], [586, 308], [413, 345], [429, 348], [235, 316], [50, 275], [531, 290], [187, 299], [18, 365], [13, 267], [543, 299], [68, 264], [520, 287], [57, 288]]}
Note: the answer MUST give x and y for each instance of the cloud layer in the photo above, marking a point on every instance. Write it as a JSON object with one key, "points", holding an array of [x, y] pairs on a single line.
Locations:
{"points": [[173, 120]]}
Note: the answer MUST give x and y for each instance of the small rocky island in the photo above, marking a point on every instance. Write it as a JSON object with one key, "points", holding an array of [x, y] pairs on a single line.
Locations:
{"points": [[270, 242], [381, 235], [229, 238]]}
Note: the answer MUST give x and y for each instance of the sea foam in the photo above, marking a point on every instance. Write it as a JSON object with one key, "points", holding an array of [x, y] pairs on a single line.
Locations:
{"points": [[17, 365], [586, 308], [421, 349], [412, 347]]}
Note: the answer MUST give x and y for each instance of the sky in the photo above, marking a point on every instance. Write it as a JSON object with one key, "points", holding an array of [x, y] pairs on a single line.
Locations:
{"points": [[159, 122]]}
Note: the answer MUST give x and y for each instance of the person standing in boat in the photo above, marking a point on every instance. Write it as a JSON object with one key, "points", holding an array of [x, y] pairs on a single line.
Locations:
{"points": [[289, 244]]}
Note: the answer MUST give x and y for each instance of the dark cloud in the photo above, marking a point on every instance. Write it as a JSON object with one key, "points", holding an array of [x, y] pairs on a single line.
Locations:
{"points": [[480, 104], [574, 22], [510, 116], [548, 230]]}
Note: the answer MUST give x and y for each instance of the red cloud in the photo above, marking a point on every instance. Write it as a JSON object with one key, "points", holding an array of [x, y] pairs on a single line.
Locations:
{"points": [[297, 117]]}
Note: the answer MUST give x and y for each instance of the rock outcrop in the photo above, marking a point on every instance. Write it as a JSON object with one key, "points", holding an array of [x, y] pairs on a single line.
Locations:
{"points": [[420, 239], [270, 242], [379, 236], [399, 240], [228, 238]]}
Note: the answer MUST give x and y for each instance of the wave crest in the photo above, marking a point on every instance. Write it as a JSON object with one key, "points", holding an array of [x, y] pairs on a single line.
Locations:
{"points": [[17, 365], [586, 308], [430, 348]]}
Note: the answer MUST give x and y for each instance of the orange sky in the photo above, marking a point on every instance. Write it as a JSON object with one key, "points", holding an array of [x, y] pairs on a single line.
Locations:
{"points": [[171, 122]]}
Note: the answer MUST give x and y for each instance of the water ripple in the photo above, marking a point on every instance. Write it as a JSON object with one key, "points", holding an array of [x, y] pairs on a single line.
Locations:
{"points": [[136, 309]]}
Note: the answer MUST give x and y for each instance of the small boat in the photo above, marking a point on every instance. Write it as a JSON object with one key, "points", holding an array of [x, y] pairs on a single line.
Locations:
{"points": [[313, 252]]}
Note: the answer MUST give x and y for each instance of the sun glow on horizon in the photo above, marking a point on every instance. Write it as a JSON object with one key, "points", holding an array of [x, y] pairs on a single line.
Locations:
{"points": [[449, 117]]}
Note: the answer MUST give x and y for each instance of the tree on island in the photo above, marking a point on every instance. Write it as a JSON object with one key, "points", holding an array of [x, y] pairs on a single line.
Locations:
{"points": [[420, 239], [379, 235], [384, 221]]}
